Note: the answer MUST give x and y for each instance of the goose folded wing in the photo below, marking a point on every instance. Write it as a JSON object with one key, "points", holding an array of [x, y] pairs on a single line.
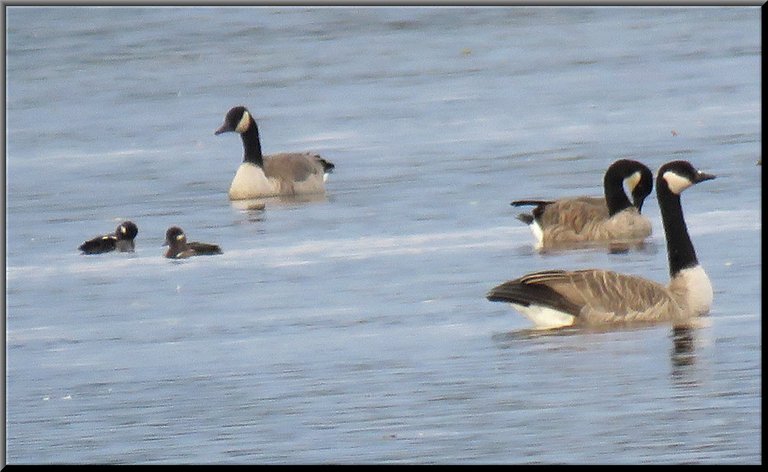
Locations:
{"points": [[573, 213], [589, 293], [295, 167]]}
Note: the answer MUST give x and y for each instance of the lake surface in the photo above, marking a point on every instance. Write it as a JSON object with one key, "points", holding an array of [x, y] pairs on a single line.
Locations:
{"points": [[355, 329]]}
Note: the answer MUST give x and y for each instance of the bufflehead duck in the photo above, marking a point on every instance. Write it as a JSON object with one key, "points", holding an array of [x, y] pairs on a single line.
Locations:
{"points": [[179, 248], [121, 240]]}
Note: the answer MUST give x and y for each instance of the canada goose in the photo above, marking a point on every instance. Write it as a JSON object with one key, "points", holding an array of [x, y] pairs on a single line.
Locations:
{"points": [[555, 298], [179, 248], [278, 174], [575, 221], [121, 240]]}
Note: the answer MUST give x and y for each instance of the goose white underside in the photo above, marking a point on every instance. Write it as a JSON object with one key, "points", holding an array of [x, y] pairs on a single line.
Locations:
{"points": [[545, 317], [699, 294], [250, 182], [538, 234]]}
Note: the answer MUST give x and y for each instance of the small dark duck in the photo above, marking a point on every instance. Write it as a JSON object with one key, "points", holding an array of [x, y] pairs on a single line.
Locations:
{"points": [[121, 240], [179, 248]]}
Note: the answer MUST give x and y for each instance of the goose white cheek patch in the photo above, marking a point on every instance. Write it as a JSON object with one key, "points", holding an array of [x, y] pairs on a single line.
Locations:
{"points": [[676, 183], [245, 122], [631, 182]]}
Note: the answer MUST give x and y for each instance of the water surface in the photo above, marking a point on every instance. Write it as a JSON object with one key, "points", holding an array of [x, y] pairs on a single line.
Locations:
{"points": [[355, 329]]}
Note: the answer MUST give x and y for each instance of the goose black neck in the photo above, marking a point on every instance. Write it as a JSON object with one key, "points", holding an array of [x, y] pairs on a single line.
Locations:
{"points": [[252, 145], [679, 246], [615, 197]]}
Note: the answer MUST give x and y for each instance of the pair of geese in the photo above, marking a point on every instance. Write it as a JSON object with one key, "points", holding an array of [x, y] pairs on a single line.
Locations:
{"points": [[551, 298], [557, 298]]}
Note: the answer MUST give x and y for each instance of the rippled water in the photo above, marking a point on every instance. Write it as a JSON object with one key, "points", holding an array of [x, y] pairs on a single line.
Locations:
{"points": [[355, 329]]}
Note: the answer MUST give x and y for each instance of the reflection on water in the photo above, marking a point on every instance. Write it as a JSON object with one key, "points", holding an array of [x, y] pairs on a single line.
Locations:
{"points": [[508, 340], [612, 247], [255, 204], [682, 352], [683, 355], [332, 322], [539, 333], [249, 205], [256, 209]]}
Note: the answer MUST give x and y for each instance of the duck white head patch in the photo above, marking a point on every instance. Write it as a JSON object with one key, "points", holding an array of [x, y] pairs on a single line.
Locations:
{"points": [[676, 182], [244, 124]]}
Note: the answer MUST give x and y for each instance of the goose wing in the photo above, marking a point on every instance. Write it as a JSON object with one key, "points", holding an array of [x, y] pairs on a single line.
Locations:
{"points": [[591, 293], [295, 167], [572, 213]]}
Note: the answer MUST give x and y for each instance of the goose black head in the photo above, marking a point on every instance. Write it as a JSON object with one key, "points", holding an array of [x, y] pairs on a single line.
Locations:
{"points": [[238, 119], [643, 187], [679, 175], [635, 177]]}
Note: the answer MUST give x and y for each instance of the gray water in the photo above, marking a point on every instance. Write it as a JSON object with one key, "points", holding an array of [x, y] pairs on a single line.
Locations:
{"points": [[355, 329]]}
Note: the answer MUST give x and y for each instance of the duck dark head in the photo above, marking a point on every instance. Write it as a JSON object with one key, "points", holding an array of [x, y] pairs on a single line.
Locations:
{"points": [[121, 240], [126, 230], [174, 235], [238, 119]]}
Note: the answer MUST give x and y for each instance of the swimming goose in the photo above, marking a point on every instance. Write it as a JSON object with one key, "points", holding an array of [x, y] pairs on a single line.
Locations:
{"points": [[278, 174], [121, 240], [179, 248], [555, 298], [574, 221]]}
